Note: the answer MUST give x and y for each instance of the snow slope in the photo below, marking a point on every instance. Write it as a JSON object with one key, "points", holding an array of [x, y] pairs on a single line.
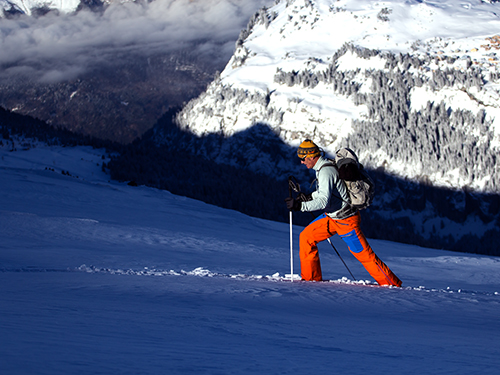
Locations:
{"points": [[103, 278]]}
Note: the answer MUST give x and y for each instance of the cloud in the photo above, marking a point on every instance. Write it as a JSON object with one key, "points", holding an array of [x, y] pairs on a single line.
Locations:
{"points": [[53, 48]]}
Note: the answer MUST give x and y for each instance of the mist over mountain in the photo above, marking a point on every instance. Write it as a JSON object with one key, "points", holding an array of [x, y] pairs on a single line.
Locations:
{"points": [[111, 69]]}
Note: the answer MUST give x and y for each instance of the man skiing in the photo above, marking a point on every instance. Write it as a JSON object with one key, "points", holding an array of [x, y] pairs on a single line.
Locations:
{"points": [[332, 197]]}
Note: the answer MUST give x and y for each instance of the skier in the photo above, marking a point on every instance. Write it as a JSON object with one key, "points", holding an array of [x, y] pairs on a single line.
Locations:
{"points": [[339, 217]]}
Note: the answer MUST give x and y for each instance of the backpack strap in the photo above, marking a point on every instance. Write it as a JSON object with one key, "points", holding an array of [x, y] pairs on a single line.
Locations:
{"points": [[329, 164]]}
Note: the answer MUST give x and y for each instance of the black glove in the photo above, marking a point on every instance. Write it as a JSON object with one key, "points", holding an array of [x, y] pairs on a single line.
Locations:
{"points": [[304, 198], [293, 204]]}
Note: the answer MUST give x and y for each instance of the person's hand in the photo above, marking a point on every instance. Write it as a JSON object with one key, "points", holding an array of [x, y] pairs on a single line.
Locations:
{"points": [[293, 204], [304, 198]]}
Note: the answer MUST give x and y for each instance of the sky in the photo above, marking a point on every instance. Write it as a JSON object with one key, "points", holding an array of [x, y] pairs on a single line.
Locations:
{"points": [[55, 48], [99, 277]]}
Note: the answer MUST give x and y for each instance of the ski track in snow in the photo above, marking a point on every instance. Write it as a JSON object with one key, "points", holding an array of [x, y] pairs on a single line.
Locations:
{"points": [[275, 278]]}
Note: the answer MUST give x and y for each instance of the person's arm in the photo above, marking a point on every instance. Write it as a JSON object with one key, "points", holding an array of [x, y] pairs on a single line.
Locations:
{"points": [[327, 180]]}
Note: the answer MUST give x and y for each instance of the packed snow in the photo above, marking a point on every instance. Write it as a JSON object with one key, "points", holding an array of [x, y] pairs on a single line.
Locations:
{"points": [[99, 277]]}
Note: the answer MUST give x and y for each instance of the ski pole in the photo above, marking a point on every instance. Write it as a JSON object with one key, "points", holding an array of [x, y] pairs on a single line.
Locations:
{"points": [[341, 259]]}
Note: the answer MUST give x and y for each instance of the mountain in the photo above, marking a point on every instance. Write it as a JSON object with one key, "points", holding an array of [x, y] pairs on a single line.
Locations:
{"points": [[74, 73], [9, 8], [110, 69], [119, 102], [408, 87], [405, 84], [99, 277], [401, 82]]}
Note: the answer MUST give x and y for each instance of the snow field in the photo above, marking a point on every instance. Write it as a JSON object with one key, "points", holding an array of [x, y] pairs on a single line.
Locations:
{"points": [[101, 277]]}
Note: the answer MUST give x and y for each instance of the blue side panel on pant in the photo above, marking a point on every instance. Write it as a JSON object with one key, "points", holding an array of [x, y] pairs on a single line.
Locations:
{"points": [[352, 240], [322, 216]]}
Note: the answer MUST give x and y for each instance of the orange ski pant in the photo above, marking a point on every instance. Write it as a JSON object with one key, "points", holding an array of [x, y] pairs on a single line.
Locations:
{"points": [[349, 230]]}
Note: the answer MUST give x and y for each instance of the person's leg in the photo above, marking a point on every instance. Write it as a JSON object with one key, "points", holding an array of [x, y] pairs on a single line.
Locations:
{"points": [[315, 232], [352, 235]]}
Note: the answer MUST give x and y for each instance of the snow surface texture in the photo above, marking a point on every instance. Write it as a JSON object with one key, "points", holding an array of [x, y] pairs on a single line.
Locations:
{"points": [[413, 86], [103, 278]]}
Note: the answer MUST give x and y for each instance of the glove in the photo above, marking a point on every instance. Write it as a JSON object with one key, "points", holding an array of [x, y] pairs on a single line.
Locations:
{"points": [[293, 204], [304, 198]]}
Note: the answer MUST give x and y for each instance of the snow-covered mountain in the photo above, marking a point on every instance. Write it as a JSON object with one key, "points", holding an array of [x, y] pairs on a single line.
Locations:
{"points": [[412, 86], [30, 6], [34, 7]]}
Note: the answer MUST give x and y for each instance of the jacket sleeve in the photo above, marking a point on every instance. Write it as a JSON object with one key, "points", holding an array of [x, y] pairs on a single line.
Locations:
{"points": [[328, 179]]}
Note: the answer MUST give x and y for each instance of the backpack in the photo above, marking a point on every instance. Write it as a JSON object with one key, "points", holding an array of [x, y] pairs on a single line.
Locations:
{"points": [[360, 186]]}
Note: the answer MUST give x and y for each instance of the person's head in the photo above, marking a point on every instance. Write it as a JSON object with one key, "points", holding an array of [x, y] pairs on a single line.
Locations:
{"points": [[308, 153]]}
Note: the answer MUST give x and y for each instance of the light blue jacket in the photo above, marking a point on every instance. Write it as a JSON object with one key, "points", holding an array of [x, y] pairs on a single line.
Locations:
{"points": [[331, 195]]}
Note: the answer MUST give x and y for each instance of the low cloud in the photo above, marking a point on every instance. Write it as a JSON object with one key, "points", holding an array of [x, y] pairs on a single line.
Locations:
{"points": [[54, 48]]}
